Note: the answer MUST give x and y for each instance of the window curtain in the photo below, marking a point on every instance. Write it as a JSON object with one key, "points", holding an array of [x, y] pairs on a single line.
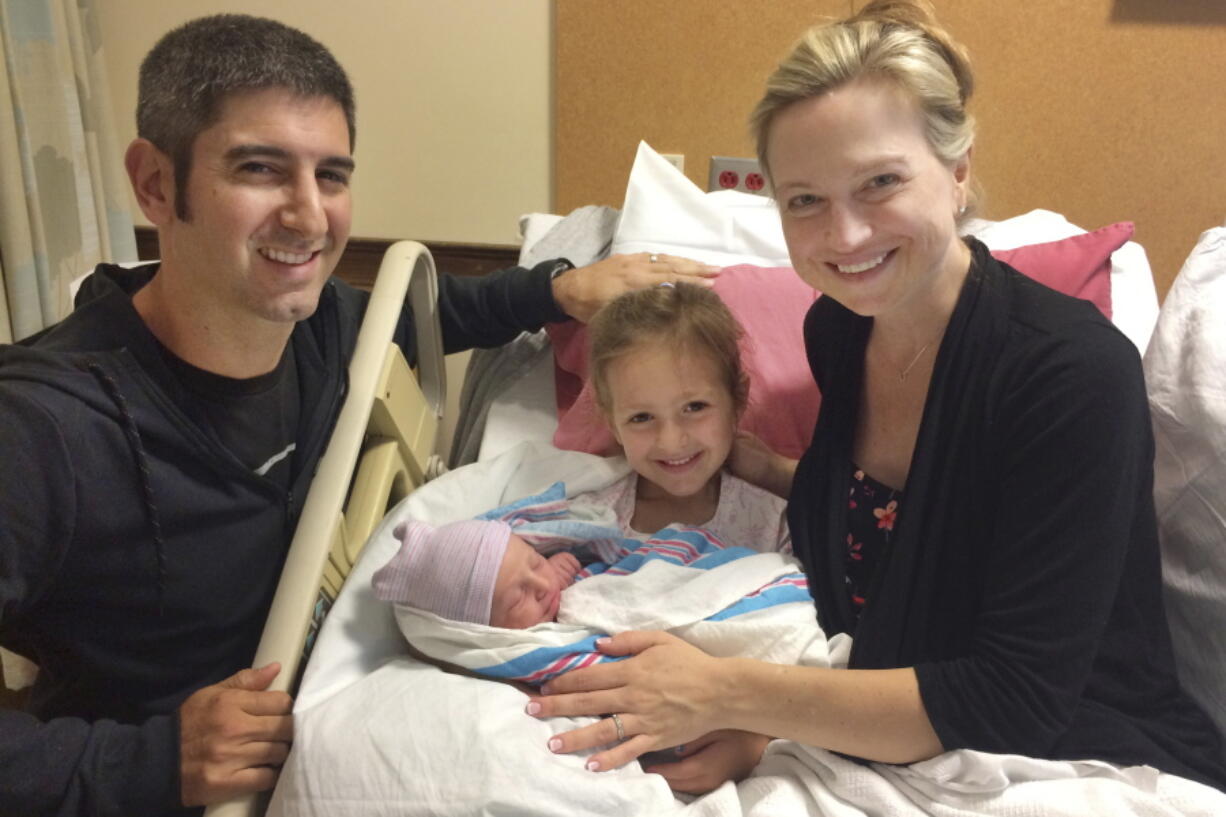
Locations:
{"points": [[63, 189]]}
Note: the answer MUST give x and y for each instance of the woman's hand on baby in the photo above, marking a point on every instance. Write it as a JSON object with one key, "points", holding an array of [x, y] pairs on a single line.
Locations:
{"points": [[581, 292], [664, 695], [566, 566], [706, 763]]}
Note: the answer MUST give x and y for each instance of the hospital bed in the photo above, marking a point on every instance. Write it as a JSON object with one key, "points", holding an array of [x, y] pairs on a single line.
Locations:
{"points": [[380, 732]]}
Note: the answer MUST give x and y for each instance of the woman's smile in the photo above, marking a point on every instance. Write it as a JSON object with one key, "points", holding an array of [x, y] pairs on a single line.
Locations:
{"points": [[863, 266]]}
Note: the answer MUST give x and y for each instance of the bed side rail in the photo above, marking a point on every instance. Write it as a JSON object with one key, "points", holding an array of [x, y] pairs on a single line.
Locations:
{"points": [[390, 421]]}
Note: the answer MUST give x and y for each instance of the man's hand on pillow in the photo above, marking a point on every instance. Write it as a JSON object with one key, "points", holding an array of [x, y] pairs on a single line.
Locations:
{"points": [[566, 566], [582, 291]]}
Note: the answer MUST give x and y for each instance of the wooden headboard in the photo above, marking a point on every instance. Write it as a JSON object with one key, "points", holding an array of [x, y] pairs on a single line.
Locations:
{"points": [[1104, 110]]}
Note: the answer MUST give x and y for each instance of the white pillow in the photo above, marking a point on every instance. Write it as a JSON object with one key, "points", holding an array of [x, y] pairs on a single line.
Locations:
{"points": [[665, 212], [1185, 373]]}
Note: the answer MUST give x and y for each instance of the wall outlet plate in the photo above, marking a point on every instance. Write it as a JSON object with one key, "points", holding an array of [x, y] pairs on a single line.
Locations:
{"points": [[733, 173]]}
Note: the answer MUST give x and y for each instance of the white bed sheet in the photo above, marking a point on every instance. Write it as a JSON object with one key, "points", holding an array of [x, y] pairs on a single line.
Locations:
{"points": [[379, 733], [526, 411]]}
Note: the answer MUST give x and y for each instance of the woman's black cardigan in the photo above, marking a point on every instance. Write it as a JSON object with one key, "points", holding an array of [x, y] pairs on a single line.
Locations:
{"points": [[1022, 581]]}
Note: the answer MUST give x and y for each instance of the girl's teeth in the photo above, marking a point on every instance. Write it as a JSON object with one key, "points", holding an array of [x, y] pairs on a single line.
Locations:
{"points": [[681, 461], [854, 268]]}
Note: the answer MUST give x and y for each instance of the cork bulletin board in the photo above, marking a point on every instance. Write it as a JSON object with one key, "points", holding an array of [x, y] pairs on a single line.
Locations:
{"points": [[1103, 110]]}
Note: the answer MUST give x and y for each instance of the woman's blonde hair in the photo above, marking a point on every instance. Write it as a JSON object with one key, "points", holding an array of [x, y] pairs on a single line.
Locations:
{"points": [[898, 40], [689, 318]]}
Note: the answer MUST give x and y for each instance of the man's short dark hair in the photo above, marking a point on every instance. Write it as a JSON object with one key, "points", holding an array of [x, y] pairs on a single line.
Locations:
{"points": [[187, 76]]}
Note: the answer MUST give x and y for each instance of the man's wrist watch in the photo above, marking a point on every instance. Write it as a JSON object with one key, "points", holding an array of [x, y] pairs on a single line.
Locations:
{"points": [[560, 266]]}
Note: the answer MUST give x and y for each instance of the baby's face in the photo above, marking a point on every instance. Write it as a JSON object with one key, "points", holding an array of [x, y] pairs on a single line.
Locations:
{"points": [[529, 587]]}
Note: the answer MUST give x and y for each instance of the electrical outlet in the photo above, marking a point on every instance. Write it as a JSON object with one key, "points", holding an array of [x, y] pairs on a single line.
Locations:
{"points": [[677, 160], [732, 173]]}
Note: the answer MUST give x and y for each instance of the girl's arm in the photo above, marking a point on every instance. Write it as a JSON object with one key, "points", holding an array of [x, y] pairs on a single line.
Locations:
{"points": [[753, 461], [707, 763], [671, 693]]}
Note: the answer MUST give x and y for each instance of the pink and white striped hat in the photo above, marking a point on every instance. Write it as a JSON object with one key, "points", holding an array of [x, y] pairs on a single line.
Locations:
{"points": [[449, 570]]}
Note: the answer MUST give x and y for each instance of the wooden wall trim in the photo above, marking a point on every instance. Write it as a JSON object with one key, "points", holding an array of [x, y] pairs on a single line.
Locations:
{"points": [[360, 263]]}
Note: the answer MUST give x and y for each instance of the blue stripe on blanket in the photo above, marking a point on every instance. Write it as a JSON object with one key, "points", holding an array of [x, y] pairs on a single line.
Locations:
{"points": [[664, 551], [548, 523], [525, 508], [540, 665], [784, 590]]}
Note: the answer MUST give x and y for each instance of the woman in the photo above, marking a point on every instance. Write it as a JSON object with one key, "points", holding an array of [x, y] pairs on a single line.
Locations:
{"points": [[1001, 580]]}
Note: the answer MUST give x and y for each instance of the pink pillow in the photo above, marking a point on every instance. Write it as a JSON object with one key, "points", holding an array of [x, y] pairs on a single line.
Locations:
{"points": [[770, 304], [1079, 266]]}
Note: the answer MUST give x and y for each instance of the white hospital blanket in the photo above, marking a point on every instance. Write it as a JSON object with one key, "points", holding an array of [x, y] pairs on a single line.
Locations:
{"points": [[379, 733]]}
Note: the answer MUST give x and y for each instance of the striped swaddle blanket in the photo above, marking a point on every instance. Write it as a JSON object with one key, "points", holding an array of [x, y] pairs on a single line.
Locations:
{"points": [[683, 580]]}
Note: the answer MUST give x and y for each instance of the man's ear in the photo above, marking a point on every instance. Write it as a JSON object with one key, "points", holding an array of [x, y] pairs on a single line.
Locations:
{"points": [[153, 180]]}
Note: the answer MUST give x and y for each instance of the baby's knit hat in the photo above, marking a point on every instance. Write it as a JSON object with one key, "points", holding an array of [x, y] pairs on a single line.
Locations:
{"points": [[449, 570]]}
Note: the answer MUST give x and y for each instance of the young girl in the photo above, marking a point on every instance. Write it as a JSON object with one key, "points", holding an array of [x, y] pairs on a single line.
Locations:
{"points": [[666, 370]]}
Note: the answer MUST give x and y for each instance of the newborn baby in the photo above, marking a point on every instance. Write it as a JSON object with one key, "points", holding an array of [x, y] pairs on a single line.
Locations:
{"points": [[449, 584], [476, 571]]}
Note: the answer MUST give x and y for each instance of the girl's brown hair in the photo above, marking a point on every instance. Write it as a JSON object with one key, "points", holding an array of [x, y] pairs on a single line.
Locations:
{"points": [[687, 317]]}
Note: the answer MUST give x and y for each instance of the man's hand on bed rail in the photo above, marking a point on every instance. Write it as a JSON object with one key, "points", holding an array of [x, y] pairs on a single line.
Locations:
{"points": [[651, 717], [582, 291], [233, 737]]}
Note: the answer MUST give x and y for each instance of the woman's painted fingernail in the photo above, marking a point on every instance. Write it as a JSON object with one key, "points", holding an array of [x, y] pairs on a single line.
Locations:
{"points": [[533, 708], [603, 642], [592, 766], [555, 744]]}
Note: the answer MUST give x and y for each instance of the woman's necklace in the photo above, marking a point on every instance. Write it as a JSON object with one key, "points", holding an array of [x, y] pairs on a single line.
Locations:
{"points": [[902, 375]]}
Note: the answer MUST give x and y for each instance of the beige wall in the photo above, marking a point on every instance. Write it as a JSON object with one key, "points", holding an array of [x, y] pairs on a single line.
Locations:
{"points": [[453, 102], [1105, 110]]}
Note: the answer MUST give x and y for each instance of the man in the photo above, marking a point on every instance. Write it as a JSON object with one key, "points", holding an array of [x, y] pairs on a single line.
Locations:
{"points": [[159, 441]]}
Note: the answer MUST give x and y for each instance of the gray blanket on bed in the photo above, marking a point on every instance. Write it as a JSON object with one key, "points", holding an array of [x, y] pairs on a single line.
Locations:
{"points": [[583, 237]]}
